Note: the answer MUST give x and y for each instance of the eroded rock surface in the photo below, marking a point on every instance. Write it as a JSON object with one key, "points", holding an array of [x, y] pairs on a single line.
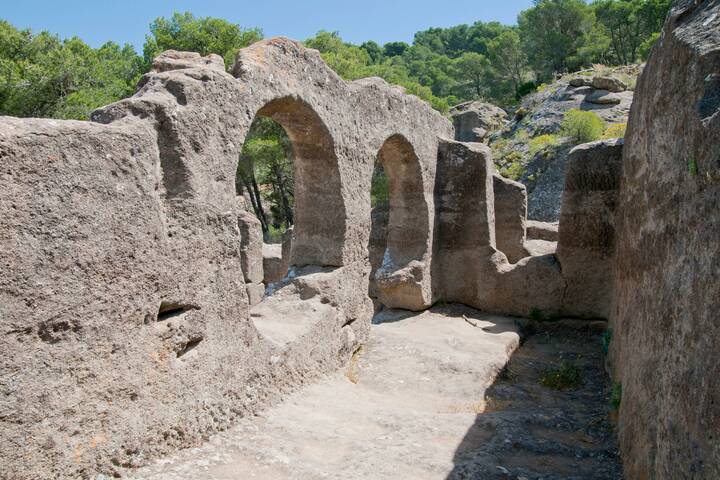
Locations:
{"points": [[667, 264], [124, 297], [586, 241], [510, 217], [474, 121]]}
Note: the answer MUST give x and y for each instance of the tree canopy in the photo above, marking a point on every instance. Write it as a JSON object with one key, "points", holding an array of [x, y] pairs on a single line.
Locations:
{"points": [[44, 76]]}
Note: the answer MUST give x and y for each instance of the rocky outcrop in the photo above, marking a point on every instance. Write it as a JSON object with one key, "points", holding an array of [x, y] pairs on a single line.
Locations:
{"points": [[600, 82], [543, 173], [587, 227], [664, 317], [474, 121], [510, 217]]}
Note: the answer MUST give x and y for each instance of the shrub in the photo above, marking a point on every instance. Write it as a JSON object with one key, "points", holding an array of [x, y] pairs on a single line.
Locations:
{"points": [[275, 233], [513, 171], [542, 142], [520, 113], [565, 377], [615, 130], [582, 127], [524, 89]]}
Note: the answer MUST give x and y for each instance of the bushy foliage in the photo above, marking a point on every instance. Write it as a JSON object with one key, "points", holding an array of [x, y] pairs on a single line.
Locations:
{"points": [[542, 143], [48, 77], [615, 130], [379, 187], [265, 171], [582, 127], [205, 35], [513, 170], [43, 76]]}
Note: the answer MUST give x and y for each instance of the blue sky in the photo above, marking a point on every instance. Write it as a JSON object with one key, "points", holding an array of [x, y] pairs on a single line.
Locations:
{"points": [[97, 21]]}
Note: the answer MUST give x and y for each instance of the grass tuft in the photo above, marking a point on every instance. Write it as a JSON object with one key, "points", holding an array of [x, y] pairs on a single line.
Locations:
{"points": [[566, 377]]}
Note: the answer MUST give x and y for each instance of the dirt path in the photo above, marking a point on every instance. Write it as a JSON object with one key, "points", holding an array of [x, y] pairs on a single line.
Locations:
{"points": [[407, 408]]}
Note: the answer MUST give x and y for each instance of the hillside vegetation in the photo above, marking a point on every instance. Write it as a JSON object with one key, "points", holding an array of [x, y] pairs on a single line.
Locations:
{"points": [[42, 75]]}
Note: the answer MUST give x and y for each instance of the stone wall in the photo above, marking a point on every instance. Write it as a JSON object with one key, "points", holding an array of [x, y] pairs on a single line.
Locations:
{"points": [[664, 317], [468, 267], [586, 242], [130, 264], [510, 217], [123, 297]]}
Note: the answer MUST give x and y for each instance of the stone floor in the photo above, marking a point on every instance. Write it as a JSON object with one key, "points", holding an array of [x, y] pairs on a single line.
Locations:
{"points": [[410, 406]]}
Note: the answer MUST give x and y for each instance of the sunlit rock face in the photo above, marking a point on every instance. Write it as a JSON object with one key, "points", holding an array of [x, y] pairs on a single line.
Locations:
{"points": [[667, 291], [129, 263]]}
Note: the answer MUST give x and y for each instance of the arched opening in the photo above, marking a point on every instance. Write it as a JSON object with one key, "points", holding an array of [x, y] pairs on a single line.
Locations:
{"points": [[379, 216], [398, 275], [407, 230], [298, 157]]}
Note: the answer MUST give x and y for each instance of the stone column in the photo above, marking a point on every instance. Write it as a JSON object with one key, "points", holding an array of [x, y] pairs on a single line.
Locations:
{"points": [[587, 227]]}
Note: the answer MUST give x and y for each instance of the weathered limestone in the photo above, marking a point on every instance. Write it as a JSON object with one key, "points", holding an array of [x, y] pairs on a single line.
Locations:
{"points": [[542, 230], [611, 84], [587, 227], [467, 266], [130, 265], [403, 278], [474, 121], [599, 82], [510, 217], [603, 97], [664, 318], [251, 254], [274, 267], [123, 296]]}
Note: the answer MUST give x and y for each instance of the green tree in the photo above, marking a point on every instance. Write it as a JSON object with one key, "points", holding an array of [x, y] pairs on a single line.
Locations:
{"points": [[474, 68], [374, 50], [554, 32], [42, 76], [630, 23], [395, 49], [508, 58], [265, 170], [205, 35]]}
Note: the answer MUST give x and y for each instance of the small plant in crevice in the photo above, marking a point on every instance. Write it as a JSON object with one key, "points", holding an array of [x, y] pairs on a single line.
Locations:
{"points": [[352, 372], [543, 143], [615, 130], [692, 166], [606, 339], [513, 171], [615, 396], [565, 377], [536, 314]]}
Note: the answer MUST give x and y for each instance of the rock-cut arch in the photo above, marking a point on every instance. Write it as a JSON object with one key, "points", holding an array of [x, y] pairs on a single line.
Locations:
{"points": [[402, 279], [408, 214], [319, 205]]}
